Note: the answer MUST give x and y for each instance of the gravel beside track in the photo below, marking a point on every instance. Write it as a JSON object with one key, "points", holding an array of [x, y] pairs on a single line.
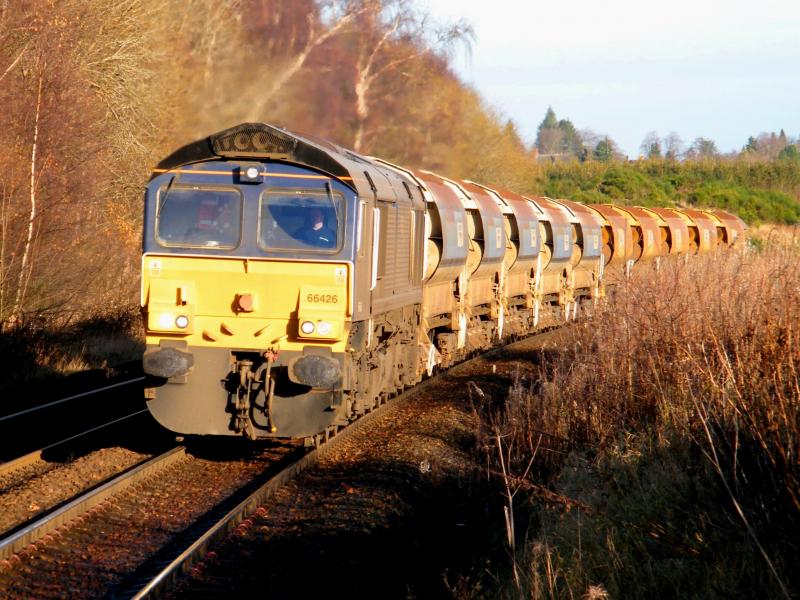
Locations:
{"points": [[29, 491], [90, 556]]}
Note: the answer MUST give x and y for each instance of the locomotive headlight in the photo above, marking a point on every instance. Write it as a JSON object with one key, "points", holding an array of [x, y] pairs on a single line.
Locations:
{"points": [[324, 328], [307, 327], [166, 321], [163, 317]]}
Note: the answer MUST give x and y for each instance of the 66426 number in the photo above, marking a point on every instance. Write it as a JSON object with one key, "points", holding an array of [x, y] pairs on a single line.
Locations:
{"points": [[322, 298]]}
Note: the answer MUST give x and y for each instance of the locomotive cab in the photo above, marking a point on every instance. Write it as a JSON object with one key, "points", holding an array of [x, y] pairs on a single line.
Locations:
{"points": [[247, 288]]}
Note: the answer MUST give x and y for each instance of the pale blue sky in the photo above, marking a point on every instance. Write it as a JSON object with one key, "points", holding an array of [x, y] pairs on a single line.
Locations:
{"points": [[721, 70]]}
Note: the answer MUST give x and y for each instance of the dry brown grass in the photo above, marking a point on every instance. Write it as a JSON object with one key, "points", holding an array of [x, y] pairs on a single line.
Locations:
{"points": [[38, 352], [665, 436]]}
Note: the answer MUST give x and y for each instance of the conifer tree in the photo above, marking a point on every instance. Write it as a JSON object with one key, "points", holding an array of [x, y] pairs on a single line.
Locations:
{"points": [[549, 137]]}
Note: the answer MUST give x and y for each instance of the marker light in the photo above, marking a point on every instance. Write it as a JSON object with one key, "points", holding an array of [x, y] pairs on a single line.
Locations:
{"points": [[250, 174], [323, 328], [307, 327], [181, 321]]}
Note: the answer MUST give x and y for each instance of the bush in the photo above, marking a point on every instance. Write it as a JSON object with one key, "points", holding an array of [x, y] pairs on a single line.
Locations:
{"points": [[759, 192], [38, 349], [668, 429]]}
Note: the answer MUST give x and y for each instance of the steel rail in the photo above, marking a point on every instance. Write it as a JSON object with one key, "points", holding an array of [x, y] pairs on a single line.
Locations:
{"points": [[32, 457], [29, 534], [70, 398]]}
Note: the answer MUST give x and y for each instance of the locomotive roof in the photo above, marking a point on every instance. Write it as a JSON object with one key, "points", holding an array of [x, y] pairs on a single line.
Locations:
{"points": [[263, 141]]}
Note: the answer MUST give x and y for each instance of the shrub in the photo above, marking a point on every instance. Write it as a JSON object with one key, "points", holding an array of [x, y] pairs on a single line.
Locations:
{"points": [[668, 429]]}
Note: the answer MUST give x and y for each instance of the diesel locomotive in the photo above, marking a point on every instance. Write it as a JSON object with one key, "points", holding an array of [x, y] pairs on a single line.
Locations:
{"points": [[290, 285]]}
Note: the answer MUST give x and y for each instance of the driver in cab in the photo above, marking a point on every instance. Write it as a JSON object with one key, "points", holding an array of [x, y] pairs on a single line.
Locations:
{"points": [[314, 231]]}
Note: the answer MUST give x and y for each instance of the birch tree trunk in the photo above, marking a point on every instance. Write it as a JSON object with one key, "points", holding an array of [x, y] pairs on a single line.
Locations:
{"points": [[4, 208], [22, 282], [365, 77]]}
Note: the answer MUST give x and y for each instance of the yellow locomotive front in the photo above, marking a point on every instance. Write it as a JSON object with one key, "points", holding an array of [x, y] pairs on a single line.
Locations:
{"points": [[247, 285]]}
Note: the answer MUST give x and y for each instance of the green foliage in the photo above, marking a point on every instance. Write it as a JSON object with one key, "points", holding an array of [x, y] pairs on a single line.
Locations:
{"points": [[790, 153], [754, 206], [603, 151], [571, 144], [763, 191], [751, 146], [549, 121]]}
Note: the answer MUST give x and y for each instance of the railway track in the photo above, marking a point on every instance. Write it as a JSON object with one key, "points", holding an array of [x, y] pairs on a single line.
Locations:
{"points": [[31, 458], [168, 577], [54, 403], [28, 534], [30, 433], [54, 533], [98, 540], [140, 534]]}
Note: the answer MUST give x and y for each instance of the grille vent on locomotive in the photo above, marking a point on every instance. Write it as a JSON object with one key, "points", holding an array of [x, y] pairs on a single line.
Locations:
{"points": [[254, 139]]}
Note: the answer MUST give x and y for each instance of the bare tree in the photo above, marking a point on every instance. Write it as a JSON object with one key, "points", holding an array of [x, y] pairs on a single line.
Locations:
{"points": [[590, 137], [333, 18], [769, 145], [702, 148], [391, 35], [651, 145], [673, 146]]}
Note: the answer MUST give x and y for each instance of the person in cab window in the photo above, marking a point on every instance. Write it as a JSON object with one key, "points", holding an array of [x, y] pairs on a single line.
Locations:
{"points": [[315, 232], [223, 225]]}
